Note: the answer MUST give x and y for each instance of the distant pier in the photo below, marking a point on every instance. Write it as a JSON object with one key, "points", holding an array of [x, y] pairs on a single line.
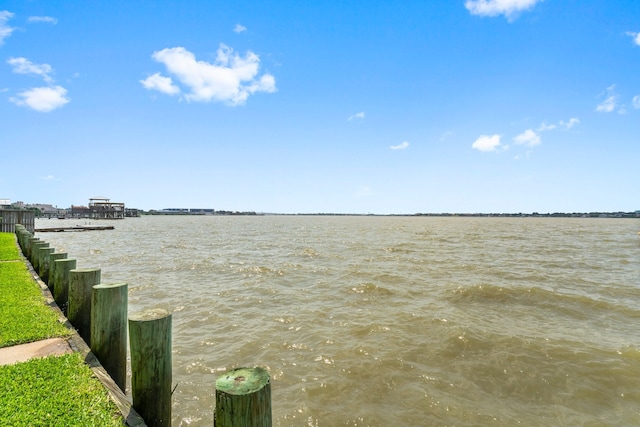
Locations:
{"points": [[76, 228]]}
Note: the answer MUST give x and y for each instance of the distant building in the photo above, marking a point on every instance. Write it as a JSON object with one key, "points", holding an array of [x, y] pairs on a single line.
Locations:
{"points": [[104, 208], [46, 210], [80, 212]]}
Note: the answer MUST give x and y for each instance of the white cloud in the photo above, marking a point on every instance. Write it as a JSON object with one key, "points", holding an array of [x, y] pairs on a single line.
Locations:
{"points": [[610, 102], [239, 28], [44, 19], [403, 146], [43, 99], [488, 143], [508, 8], [635, 36], [230, 79], [545, 127], [161, 84], [528, 138], [24, 66], [571, 123], [636, 102], [359, 116], [5, 30]]}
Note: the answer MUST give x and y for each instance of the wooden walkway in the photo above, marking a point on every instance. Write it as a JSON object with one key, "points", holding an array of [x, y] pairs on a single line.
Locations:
{"points": [[76, 228]]}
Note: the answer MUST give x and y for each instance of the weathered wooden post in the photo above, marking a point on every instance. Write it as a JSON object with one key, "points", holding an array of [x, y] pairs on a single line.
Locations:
{"points": [[109, 329], [52, 269], [23, 235], [35, 254], [150, 345], [61, 280], [30, 242], [43, 263], [81, 283], [24, 241], [243, 398]]}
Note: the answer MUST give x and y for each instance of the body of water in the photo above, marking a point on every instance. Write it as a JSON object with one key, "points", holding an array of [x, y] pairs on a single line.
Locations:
{"points": [[380, 321]]}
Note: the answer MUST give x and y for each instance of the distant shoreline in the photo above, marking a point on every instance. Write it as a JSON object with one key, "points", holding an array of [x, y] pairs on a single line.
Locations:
{"points": [[635, 214]]}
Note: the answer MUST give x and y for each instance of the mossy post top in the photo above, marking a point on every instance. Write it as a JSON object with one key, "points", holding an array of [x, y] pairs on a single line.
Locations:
{"points": [[110, 285], [149, 315], [242, 381]]}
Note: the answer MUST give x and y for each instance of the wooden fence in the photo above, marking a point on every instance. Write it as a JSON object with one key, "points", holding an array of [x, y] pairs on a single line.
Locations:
{"points": [[10, 217]]}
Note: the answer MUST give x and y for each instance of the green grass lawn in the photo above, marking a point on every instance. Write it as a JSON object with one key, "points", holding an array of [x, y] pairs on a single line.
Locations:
{"points": [[8, 247], [25, 317], [54, 391], [50, 391]]}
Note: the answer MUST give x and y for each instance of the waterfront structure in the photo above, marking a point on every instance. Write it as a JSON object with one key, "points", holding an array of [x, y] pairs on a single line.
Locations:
{"points": [[104, 208]]}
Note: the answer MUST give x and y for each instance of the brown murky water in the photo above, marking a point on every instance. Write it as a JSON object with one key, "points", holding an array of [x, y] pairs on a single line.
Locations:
{"points": [[378, 321]]}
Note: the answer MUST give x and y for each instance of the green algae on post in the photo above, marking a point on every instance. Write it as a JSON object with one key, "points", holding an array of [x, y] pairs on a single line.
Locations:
{"points": [[243, 397], [151, 376]]}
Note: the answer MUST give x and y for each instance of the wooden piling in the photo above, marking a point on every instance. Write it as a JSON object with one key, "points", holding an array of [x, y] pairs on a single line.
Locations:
{"points": [[22, 234], [81, 283], [52, 269], [109, 329], [243, 398], [150, 345], [30, 242], [35, 253], [61, 280], [43, 263]]}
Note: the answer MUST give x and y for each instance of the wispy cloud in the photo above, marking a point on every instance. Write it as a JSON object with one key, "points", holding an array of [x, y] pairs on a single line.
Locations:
{"points": [[489, 143], [402, 146], [545, 127], [239, 28], [635, 37], [42, 19], [43, 99], [531, 137], [230, 79], [5, 30], [357, 116], [24, 66], [636, 102], [528, 138], [161, 84], [525, 155], [509, 8], [610, 103], [573, 121]]}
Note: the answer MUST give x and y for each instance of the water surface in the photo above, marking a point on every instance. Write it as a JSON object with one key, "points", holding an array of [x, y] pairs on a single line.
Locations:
{"points": [[378, 321]]}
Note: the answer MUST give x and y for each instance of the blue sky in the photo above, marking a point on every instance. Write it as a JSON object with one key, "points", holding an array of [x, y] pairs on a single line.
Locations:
{"points": [[332, 106]]}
